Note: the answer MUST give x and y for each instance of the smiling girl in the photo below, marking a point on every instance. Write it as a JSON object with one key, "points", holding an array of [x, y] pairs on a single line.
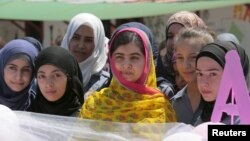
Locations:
{"points": [[85, 40], [188, 44], [16, 73]]}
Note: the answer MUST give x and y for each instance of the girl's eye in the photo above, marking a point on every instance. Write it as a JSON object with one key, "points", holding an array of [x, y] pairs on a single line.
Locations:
{"points": [[27, 70], [212, 74], [89, 40], [199, 74], [12, 68], [179, 58], [75, 37], [40, 76], [57, 75], [118, 57]]}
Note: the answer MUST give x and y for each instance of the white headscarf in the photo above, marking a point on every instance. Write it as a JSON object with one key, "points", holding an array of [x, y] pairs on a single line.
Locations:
{"points": [[97, 60]]}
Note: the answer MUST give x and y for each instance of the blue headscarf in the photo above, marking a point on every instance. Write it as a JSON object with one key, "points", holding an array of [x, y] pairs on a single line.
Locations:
{"points": [[9, 98], [34, 41]]}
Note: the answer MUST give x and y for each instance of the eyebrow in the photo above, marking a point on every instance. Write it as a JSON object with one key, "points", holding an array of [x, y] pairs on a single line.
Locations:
{"points": [[132, 54], [16, 65], [212, 69], [57, 70], [89, 37], [84, 36]]}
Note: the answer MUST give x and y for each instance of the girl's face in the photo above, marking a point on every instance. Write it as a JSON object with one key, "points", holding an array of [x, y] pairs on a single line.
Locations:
{"points": [[82, 43], [52, 82], [186, 53], [17, 74], [209, 74], [172, 31], [129, 61]]}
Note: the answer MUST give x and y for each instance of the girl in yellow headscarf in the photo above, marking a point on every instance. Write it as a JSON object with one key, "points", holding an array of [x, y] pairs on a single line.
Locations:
{"points": [[132, 95]]}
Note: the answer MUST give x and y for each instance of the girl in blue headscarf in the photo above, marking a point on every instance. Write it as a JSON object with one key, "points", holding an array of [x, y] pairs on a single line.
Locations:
{"points": [[16, 73]]}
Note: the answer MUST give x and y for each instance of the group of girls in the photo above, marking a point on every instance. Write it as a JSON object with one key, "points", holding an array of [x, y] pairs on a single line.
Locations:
{"points": [[120, 79]]}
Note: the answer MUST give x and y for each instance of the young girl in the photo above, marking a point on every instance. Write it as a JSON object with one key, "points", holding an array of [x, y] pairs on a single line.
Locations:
{"points": [[16, 73], [163, 84], [177, 22], [187, 46], [210, 65], [85, 39], [132, 95], [59, 84]]}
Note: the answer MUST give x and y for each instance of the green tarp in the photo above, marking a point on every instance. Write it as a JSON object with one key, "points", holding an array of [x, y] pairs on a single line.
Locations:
{"points": [[61, 11]]}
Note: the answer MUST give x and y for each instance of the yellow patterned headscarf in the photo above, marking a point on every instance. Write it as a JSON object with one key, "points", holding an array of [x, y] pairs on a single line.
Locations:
{"points": [[131, 102]]}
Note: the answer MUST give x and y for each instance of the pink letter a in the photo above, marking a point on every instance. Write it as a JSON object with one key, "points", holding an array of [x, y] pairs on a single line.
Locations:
{"points": [[232, 78]]}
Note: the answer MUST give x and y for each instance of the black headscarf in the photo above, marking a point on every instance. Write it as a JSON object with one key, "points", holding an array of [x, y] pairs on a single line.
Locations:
{"points": [[217, 52], [72, 99]]}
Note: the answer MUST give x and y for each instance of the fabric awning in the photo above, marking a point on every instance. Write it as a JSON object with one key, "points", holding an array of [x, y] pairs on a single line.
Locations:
{"points": [[62, 11]]}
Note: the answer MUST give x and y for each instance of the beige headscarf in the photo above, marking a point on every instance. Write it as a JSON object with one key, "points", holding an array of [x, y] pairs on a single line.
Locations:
{"points": [[187, 19]]}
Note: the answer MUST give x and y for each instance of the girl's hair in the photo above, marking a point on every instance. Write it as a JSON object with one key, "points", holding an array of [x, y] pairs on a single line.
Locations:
{"points": [[162, 45], [124, 38], [202, 36], [21, 56]]}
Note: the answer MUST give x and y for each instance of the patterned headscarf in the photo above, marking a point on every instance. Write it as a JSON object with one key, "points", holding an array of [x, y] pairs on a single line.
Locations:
{"points": [[97, 60], [15, 100], [72, 99], [126, 101]]}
